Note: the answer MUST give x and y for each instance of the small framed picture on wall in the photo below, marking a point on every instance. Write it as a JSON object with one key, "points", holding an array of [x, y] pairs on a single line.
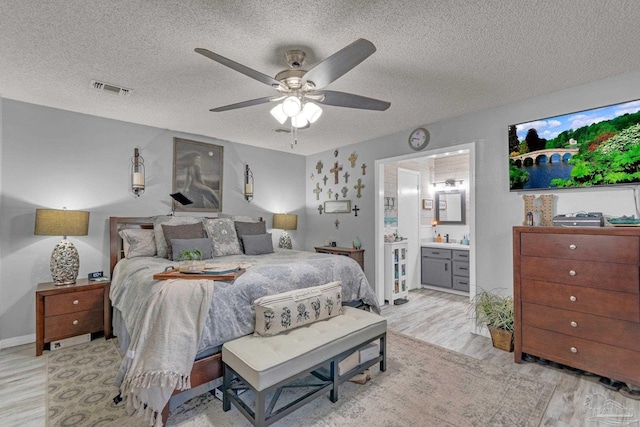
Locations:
{"points": [[427, 204]]}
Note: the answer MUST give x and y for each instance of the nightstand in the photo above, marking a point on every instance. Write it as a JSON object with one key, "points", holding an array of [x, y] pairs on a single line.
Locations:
{"points": [[356, 254], [70, 310]]}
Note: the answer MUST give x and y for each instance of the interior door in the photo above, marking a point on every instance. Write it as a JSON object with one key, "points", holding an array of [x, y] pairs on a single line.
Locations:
{"points": [[409, 221]]}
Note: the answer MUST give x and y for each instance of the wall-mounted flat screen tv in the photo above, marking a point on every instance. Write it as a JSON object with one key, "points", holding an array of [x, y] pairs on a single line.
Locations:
{"points": [[596, 147]]}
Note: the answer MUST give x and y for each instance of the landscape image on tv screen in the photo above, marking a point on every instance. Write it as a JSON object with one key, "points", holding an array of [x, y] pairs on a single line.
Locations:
{"points": [[588, 148]]}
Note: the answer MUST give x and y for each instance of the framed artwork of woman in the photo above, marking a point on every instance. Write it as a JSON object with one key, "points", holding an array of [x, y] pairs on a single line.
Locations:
{"points": [[197, 174]]}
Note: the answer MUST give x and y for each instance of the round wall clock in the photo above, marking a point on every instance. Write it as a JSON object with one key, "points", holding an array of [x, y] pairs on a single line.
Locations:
{"points": [[419, 139]]}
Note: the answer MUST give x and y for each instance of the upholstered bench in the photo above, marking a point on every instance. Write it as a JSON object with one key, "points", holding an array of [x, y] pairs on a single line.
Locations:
{"points": [[266, 365]]}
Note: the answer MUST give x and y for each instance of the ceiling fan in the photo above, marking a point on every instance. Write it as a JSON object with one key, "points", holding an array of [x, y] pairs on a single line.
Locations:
{"points": [[297, 87]]}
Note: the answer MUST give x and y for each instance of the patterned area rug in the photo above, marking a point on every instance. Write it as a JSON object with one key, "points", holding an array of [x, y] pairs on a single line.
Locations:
{"points": [[423, 385]]}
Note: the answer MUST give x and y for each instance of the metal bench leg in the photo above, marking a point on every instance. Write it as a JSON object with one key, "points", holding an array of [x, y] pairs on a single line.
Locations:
{"points": [[226, 381], [333, 394], [383, 350], [260, 411]]}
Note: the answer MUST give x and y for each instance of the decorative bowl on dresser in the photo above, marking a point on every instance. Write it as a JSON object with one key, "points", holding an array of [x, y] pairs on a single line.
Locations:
{"points": [[576, 295], [71, 310]]}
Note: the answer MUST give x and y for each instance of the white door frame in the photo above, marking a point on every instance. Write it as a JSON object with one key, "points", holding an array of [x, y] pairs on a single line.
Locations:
{"points": [[408, 223], [379, 212]]}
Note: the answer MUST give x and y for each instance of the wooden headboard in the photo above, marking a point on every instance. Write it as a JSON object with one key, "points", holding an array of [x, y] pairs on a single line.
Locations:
{"points": [[116, 224]]}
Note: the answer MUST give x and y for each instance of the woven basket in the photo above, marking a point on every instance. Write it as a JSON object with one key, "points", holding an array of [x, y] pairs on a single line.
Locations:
{"points": [[501, 339]]}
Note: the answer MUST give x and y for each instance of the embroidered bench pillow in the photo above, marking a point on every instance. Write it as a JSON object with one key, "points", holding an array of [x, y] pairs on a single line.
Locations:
{"points": [[289, 310]]}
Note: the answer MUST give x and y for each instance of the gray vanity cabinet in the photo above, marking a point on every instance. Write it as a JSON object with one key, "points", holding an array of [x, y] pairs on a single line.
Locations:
{"points": [[436, 267], [460, 270]]}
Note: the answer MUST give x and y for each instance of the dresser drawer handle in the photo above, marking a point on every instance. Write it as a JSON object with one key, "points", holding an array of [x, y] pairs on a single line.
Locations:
{"points": [[574, 350], [573, 298], [572, 247], [75, 302], [75, 322], [574, 324]]}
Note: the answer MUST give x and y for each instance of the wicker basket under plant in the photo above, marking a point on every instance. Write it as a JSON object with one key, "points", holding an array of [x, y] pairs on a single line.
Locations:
{"points": [[496, 312], [501, 338]]}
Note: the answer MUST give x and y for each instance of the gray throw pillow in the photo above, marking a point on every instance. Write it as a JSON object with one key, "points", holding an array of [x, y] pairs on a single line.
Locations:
{"points": [[249, 228], [257, 244], [185, 231], [202, 244]]}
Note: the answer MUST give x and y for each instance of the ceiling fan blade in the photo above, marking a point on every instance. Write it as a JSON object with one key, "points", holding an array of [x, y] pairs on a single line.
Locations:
{"points": [[349, 100], [339, 63], [243, 104], [256, 75]]}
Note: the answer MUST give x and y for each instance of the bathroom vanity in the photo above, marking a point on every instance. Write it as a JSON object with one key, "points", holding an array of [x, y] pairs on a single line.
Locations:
{"points": [[445, 265]]}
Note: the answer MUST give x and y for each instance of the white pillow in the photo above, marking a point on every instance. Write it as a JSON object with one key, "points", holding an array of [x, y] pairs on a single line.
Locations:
{"points": [[137, 242], [222, 232]]}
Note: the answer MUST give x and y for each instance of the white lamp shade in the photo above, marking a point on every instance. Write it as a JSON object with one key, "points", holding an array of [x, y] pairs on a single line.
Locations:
{"points": [[299, 121], [311, 111], [291, 106], [278, 113]]}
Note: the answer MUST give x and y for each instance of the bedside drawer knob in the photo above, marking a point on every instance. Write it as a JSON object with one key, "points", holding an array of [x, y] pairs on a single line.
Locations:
{"points": [[75, 322], [75, 302], [572, 272], [574, 350], [572, 247], [573, 298], [574, 324]]}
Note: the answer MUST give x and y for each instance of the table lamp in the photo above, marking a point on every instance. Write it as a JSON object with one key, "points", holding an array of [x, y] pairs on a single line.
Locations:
{"points": [[285, 222], [65, 261]]}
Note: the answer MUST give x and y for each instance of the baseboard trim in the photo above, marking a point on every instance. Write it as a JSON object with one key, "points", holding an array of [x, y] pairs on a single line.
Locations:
{"points": [[16, 341]]}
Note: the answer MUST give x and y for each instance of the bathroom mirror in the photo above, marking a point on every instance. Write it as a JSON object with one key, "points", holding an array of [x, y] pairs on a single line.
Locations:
{"points": [[450, 207]]}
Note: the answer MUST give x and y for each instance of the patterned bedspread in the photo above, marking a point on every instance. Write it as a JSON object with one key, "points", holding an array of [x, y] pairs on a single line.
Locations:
{"points": [[231, 313]]}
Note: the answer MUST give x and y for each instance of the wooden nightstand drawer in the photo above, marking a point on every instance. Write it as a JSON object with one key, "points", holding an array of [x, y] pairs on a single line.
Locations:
{"points": [[593, 274], [55, 305], [619, 305], [602, 359], [68, 325], [582, 325]]}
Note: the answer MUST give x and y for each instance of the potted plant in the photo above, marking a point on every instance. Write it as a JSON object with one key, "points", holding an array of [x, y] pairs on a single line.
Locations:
{"points": [[190, 261], [496, 312]]}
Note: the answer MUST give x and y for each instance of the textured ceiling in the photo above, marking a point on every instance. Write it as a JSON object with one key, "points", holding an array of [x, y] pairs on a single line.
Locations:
{"points": [[435, 59]]}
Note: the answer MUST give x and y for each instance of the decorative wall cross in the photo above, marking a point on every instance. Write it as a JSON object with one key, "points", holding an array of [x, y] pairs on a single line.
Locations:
{"points": [[359, 186], [364, 169], [318, 190], [312, 176], [320, 209], [337, 223], [352, 158], [319, 166], [355, 209], [344, 191], [336, 196], [325, 179], [329, 193], [346, 177], [335, 171]]}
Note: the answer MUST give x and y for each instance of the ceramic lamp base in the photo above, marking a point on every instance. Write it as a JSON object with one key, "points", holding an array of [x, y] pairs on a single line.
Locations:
{"points": [[285, 241], [65, 263]]}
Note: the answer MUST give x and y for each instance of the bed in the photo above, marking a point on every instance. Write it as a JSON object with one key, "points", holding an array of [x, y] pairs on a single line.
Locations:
{"points": [[171, 331]]}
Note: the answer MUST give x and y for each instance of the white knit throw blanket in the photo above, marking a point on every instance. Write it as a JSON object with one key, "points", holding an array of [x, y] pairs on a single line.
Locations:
{"points": [[164, 343]]}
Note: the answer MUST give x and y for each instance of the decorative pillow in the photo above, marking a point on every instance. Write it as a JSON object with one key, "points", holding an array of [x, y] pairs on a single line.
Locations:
{"points": [[249, 228], [257, 244], [185, 231], [202, 244], [223, 234], [289, 310], [138, 242], [161, 243]]}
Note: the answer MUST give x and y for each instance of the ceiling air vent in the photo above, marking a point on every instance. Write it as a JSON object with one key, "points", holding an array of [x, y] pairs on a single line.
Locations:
{"points": [[109, 88]]}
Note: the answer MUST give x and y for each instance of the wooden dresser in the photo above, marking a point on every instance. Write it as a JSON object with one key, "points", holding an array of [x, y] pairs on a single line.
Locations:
{"points": [[576, 295]]}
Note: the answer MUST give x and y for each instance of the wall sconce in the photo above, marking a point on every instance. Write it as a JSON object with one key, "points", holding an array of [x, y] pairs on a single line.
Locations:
{"points": [[65, 261], [248, 184], [137, 173], [285, 222], [449, 183]]}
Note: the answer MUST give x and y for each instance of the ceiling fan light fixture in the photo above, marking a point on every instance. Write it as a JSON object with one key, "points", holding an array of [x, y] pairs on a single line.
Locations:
{"points": [[291, 106], [311, 112], [278, 113], [299, 121]]}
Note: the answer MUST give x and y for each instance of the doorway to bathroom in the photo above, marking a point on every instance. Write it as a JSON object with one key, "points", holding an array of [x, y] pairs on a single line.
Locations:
{"points": [[443, 174]]}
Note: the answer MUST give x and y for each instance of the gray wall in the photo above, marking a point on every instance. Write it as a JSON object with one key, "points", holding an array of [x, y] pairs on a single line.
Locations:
{"points": [[53, 159], [497, 209]]}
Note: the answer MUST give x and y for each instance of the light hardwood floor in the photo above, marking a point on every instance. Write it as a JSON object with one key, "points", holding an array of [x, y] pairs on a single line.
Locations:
{"points": [[436, 317]]}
